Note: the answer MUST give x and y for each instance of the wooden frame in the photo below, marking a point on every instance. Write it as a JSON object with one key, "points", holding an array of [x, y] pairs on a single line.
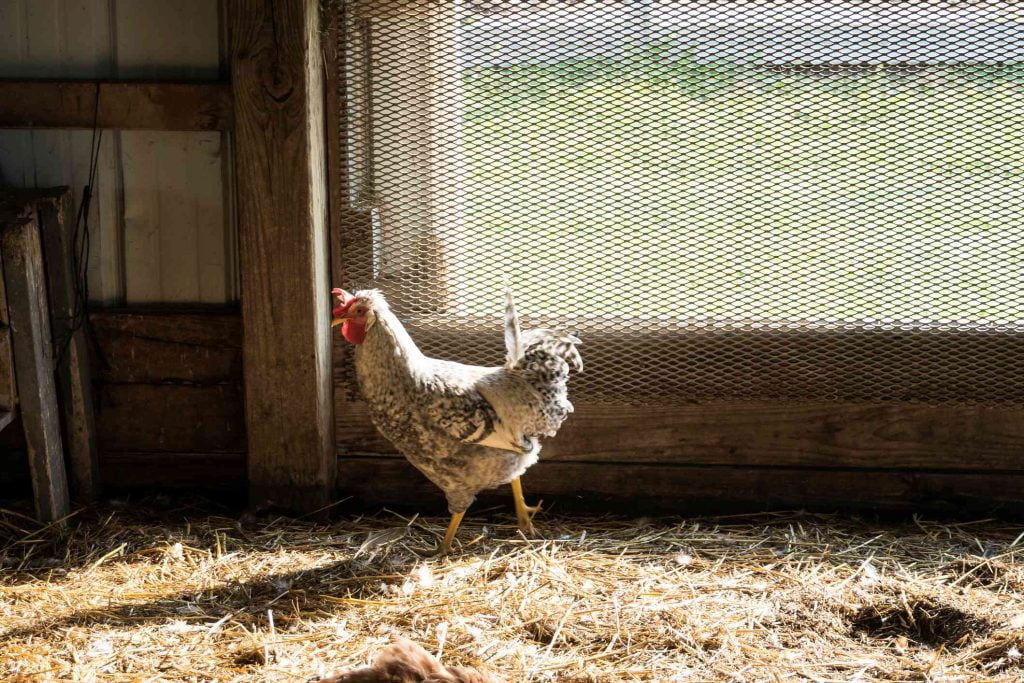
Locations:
{"points": [[696, 489], [123, 105], [277, 81]]}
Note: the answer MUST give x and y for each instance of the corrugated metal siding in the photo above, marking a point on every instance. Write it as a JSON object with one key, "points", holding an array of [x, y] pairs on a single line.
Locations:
{"points": [[162, 222]]}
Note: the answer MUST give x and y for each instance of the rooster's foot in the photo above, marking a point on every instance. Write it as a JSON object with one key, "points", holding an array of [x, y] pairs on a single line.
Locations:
{"points": [[449, 535]]}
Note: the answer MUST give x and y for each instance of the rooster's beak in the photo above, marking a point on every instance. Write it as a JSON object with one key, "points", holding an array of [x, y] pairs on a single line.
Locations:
{"points": [[338, 321]]}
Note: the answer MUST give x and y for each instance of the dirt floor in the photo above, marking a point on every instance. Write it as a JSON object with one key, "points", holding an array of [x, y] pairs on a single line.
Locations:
{"points": [[163, 590]]}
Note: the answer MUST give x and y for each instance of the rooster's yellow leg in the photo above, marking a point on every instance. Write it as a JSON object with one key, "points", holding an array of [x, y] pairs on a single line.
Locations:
{"points": [[524, 512], [453, 526]]}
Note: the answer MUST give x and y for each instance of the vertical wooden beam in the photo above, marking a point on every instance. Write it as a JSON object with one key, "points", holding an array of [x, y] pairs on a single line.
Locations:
{"points": [[8, 389], [277, 81], [25, 282], [74, 375]]}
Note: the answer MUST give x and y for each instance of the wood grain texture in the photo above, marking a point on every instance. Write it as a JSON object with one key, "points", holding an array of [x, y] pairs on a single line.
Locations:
{"points": [[175, 225], [124, 106], [25, 283], [701, 489], [170, 417], [163, 347], [277, 75], [203, 471], [74, 371], [169, 381], [867, 435], [8, 391]]}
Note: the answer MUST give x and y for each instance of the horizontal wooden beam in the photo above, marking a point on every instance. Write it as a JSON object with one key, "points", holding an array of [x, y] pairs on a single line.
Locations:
{"points": [[170, 417], [122, 105], [168, 347], [766, 433], [680, 489], [168, 381], [749, 360], [221, 472]]}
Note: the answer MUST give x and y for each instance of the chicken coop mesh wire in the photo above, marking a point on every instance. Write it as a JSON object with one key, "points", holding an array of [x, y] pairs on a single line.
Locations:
{"points": [[726, 199]]}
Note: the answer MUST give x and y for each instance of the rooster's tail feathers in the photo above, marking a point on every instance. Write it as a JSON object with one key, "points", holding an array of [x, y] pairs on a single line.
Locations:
{"points": [[513, 334]]}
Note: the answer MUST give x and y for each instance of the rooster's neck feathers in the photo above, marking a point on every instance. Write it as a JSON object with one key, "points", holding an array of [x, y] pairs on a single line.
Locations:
{"points": [[388, 335]]}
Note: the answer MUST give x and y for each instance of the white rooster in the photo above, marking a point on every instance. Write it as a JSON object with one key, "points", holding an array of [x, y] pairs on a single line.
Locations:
{"points": [[467, 428]]}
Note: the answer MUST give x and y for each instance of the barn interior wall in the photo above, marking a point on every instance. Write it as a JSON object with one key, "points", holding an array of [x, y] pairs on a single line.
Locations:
{"points": [[161, 222], [169, 399]]}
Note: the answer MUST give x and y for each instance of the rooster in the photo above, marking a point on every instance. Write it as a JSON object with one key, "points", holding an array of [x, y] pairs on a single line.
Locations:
{"points": [[467, 428]]}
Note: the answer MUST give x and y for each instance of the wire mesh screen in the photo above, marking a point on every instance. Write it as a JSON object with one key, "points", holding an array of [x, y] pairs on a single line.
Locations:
{"points": [[726, 199]]}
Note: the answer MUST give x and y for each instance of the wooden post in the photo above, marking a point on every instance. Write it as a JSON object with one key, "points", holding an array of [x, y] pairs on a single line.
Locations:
{"points": [[277, 83], [8, 389], [25, 282], [74, 374]]}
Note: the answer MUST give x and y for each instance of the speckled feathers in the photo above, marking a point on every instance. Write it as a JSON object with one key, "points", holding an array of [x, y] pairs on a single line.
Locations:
{"points": [[467, 428]]}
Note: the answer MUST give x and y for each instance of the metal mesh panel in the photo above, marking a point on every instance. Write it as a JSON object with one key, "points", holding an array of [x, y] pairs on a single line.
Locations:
{"points": [[738, 199]]}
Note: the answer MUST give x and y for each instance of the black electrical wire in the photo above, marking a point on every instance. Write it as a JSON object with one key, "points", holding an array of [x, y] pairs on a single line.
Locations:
{"points": [[80, 242]]}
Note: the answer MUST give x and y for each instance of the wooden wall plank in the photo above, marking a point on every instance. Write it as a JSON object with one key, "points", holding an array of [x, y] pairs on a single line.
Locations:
{"points": [[143, 191], [8, 392], [170, 381], [160, 347], [126, 106], [204, 471], [25, 284], [46, 158], [160, 40], [175, 222], [56, 39], [170, 417], [869, 435], [277, 78], [74, 372], [179, 231], [699, 489]]}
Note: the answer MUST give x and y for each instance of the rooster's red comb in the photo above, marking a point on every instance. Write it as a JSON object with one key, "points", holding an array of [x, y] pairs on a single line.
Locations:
{"points": [[344, 298]]}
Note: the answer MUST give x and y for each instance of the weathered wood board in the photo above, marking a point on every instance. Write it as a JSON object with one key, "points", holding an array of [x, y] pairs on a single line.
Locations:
{"points": [[169, 382], [8, 391], [642, 488], [277, 78], [194, 348], [851, 435], [124, 106], [203, 471], [74, 374], [25, 284]]}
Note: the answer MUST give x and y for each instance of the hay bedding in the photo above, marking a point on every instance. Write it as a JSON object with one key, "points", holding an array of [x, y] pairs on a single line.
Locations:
{"points": [[135, 592]]}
